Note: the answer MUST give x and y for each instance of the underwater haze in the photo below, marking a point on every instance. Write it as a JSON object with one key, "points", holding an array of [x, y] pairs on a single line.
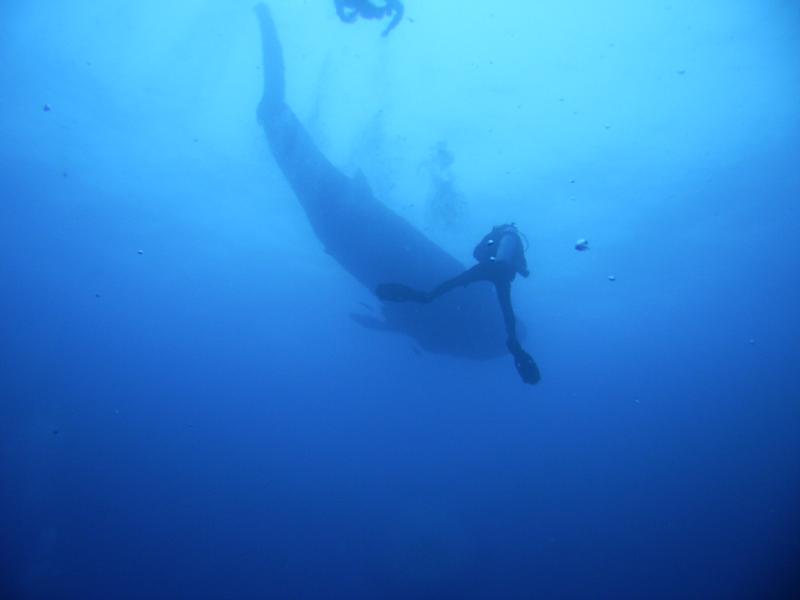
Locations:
{"points": [[200, 397]]}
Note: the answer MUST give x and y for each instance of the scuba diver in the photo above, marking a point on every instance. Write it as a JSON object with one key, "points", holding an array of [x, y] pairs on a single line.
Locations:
{"points": [[349, 10], [500, 255]]}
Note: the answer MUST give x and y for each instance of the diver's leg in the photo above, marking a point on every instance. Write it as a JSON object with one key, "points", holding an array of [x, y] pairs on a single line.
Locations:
{"points": [[393, 6], [480, 272], [397, 292], [526, 366], [503, 289]]}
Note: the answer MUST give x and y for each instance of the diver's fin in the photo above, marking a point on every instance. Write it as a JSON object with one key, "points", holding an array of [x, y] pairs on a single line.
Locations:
{"points": [[526, 366], [397, 292]]}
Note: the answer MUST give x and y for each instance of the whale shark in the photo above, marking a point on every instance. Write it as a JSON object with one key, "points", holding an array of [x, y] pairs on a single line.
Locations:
{"points": [[367, 239]]}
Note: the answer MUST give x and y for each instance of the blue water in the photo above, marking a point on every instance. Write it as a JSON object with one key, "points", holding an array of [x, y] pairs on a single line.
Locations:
{"points": [[188, 409]]}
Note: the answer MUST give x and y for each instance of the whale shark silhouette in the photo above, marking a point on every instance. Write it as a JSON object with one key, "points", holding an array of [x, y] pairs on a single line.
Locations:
{"points": [[367, 239]]}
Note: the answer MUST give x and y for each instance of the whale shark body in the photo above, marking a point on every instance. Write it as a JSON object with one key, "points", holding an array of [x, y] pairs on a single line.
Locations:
{"points": [[367, 239]]}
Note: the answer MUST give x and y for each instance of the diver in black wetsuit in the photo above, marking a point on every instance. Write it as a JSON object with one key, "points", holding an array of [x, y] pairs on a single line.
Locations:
{"points": [[349, 10], [500, 255]]}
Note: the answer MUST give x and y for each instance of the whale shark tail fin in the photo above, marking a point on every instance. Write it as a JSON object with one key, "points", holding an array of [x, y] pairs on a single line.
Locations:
{"points": [[397, 292], [272, 66]]}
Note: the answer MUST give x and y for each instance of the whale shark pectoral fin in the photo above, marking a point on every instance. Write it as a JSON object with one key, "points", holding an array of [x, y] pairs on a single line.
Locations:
{"points": [[369, 322]]}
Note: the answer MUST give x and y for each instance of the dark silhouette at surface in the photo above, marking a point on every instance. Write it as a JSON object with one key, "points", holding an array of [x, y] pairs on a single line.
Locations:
{"points": [[500, 257], [350, 10], [368, 240]]}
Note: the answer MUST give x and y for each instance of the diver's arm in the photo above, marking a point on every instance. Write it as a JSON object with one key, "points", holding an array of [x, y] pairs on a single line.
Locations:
{"points": [[504, 298]]}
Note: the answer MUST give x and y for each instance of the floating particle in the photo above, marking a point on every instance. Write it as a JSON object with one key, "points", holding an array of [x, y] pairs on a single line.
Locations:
{"points": [[612, 278], [46, 108], [581, 245], [140, 252]]}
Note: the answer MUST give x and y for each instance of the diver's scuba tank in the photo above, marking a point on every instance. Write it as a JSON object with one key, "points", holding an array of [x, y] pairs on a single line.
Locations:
{"points": [[486, 250]]}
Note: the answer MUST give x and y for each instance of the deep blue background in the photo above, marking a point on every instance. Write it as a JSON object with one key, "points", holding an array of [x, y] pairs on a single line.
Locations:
{"points": [[188, 411]]}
